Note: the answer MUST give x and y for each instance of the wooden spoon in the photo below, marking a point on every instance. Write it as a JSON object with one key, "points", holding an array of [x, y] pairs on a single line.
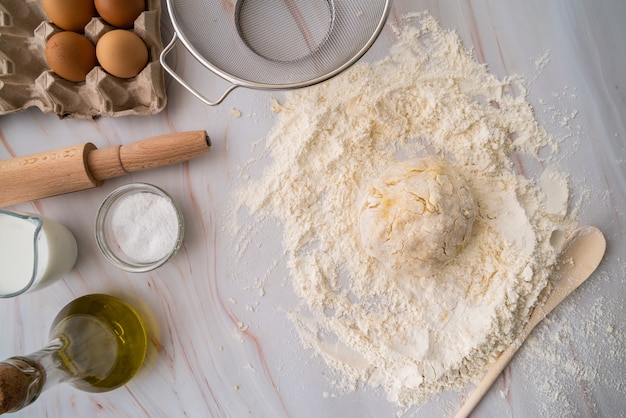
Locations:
{"points": [[582, 252]]}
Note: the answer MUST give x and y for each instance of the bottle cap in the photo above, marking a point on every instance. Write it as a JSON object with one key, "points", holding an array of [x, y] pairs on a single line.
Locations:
{"points": [[13, 387]]}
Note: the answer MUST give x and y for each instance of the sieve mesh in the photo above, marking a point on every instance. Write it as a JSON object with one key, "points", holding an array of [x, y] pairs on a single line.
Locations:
{"points": [[277, 43]]}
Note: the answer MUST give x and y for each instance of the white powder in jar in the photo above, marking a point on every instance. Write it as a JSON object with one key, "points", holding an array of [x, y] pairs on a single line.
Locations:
{"points": [[145, 226], [417, 336]]}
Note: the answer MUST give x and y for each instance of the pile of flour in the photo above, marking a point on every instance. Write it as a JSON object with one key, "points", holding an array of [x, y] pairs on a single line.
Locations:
{"points": [[418, 336]]}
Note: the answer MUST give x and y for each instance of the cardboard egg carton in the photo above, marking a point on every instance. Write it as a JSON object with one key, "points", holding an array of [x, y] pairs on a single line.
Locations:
{"points": [[26, 80]]}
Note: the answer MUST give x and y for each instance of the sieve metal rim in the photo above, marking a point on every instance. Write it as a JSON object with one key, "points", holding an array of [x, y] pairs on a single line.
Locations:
{"points": [[240, 82]]}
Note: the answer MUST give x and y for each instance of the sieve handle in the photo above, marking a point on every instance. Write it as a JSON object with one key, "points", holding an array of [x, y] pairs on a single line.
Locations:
{"points": [[183, 83]]}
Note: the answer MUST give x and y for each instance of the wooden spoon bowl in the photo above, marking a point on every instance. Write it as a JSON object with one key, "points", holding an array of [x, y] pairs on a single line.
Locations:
{"points": [[581, 254]]}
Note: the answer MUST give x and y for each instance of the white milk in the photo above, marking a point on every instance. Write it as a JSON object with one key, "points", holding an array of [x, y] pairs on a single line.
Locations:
{"points": [[32, 246]]}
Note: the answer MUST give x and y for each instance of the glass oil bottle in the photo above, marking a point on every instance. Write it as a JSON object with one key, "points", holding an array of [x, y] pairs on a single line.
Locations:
{"points": [[96, 343]]}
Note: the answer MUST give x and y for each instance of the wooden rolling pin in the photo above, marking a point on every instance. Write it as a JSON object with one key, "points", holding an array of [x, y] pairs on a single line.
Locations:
{"points": [[83, 166]]}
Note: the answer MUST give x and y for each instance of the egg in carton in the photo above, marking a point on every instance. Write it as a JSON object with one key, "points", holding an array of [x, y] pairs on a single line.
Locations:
{"points": [[26, 80]]}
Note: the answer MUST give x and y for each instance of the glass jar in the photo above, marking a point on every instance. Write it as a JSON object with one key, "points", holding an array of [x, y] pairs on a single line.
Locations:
{"points": [[139, 227]]}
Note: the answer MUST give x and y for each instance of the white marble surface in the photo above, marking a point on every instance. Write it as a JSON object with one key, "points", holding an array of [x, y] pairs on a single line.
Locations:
{"points": [[218, 347]]}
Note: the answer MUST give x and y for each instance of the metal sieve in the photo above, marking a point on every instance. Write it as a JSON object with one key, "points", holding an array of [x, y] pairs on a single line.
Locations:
{"points": [[274, 44]]}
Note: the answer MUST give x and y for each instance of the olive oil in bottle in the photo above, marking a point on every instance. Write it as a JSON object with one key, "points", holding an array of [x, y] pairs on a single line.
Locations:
{"points": [[96, 344]]}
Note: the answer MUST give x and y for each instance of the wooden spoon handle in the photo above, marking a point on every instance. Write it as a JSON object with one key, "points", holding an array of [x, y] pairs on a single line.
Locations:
{"points": [[496, 369]]}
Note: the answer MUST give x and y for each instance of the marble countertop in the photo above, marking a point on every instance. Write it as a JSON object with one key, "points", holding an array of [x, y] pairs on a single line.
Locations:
{"points": [[220, 347]]}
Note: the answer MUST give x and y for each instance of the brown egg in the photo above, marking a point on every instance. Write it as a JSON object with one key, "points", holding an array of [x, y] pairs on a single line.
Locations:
{"points": [[122, 53], [120, 13], [70, 14], [70, 55]]}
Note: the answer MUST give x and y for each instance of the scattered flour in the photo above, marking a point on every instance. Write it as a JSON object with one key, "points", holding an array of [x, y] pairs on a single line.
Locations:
{"points": [[416, 337], [568, 372], [543, 60], [235, 112]]}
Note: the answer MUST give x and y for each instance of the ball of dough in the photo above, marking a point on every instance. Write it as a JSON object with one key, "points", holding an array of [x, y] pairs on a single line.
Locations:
{"points": [[417, 216]]}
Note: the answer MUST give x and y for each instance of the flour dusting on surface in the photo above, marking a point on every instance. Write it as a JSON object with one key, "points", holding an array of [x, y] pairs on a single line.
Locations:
{"points": [[567, 373], [413, 336]]}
